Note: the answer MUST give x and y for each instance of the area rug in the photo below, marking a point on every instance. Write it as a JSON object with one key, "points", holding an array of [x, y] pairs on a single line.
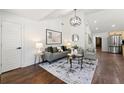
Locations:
{"points": [[75, 75]]}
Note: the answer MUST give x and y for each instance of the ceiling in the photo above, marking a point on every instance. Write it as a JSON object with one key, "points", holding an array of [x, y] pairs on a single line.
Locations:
{"points": [[99, 20], [41, 14], [106, 20], [38, 14], [90, 11]]}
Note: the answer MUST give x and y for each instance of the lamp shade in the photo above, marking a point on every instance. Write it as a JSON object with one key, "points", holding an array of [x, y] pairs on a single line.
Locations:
{"points": [[69, 45], [39, 45]]}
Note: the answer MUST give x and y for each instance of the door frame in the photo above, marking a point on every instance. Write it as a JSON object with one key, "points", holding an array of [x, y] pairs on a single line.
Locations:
{"points": [[100, 42], [22, 52], [0, 45]]}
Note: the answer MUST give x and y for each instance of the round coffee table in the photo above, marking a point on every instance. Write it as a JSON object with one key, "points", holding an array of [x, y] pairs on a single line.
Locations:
{"points": [[71, 57]]}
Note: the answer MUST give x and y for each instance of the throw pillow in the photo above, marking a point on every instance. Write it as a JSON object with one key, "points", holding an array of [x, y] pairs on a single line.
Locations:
{"points": [[59, 49], [55, 49], [50, 49], [63, 48]]}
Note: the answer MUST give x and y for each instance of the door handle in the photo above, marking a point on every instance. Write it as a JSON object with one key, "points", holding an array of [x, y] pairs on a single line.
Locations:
{"points": [[19, 48]]}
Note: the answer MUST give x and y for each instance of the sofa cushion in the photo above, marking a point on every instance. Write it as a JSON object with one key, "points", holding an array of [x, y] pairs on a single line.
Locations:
{"points": [[54, 56], [64, 48], [50, 49], [55, 49]]}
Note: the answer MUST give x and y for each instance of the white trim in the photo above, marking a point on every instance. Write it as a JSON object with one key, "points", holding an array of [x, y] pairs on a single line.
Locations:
{"points": [[1, 45], [22, 43]]}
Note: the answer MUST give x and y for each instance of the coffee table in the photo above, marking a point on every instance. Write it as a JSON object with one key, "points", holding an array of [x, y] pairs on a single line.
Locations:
{"points": [[71, 57]]}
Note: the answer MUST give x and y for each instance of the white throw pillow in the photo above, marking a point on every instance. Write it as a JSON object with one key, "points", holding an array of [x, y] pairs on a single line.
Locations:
{"points": [[59, 49]]}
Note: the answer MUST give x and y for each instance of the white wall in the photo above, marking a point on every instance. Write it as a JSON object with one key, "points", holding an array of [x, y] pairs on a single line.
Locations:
{"points": [[69, 30], [104, 37], [30, 34], [66, 29], [34, 31], [53, 24]]}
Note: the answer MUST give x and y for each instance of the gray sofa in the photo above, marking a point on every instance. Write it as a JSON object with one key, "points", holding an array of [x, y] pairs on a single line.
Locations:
{"points": [[52, 56]]}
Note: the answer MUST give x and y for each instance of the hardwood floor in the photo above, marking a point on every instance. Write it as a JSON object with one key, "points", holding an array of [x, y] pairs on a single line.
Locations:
{"points": [[110, 70], [30, 75]]}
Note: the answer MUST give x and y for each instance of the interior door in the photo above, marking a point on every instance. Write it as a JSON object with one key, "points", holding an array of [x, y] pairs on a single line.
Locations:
{"points": [[11, 46]]}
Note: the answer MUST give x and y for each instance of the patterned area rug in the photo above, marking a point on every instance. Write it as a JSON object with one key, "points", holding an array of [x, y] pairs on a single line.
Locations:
{"points": [[74, 75]]}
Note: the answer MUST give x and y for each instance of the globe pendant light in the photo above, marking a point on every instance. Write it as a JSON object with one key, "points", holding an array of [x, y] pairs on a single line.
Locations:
{"points": [[75, 21]]}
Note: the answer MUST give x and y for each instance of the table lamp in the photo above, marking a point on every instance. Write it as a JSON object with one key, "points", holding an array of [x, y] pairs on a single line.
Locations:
{"points": [[39, 47], [69, 45]]}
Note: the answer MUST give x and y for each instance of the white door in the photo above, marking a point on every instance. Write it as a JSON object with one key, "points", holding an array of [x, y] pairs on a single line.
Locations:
{"points": [[11, 46]]}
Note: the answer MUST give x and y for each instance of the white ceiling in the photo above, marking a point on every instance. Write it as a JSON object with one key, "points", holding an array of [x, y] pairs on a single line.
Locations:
{"points": [[90, 11], [106, 20], [99, 20], [38, 14]]}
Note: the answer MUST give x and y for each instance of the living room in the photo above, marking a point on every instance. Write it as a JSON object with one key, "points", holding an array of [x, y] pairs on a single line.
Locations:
{"points": [[52, 41], [33, 30], [60, 46]]}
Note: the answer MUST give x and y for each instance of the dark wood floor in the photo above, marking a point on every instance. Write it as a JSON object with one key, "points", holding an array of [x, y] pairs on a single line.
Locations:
{"points": [[110, 70], [30, 75]]}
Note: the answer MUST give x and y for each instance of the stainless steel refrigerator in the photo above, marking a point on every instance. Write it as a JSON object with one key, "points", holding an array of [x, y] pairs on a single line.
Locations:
{"points": [[114, 44]]}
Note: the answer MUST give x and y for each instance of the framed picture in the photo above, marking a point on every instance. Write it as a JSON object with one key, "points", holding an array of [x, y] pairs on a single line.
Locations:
{"points": [[53, 37]]}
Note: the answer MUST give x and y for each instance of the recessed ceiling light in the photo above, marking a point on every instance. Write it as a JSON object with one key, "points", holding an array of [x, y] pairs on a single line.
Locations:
{"points": [[97, 28], [94, 21], [113, 25]]}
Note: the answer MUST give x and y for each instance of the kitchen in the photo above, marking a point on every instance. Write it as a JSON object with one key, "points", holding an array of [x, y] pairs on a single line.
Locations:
{"points": [[116, 42]]}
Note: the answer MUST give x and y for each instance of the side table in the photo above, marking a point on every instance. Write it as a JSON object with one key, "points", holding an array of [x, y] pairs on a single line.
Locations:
{"points": [[39, 56]]}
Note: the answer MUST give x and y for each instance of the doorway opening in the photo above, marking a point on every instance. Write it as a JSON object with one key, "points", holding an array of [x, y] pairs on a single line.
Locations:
{"points": [[98, 43]]}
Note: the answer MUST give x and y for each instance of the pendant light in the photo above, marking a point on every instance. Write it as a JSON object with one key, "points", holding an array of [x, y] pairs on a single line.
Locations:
{"points": [[75, 21]]}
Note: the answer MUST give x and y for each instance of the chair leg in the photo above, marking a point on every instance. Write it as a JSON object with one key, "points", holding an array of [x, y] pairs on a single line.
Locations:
{"points": [[81, 63], [67, 59], [70, 63], [78, 61]]}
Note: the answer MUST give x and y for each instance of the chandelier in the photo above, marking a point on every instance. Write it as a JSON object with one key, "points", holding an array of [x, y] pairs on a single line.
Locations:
{"points": [[75, 21]]}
